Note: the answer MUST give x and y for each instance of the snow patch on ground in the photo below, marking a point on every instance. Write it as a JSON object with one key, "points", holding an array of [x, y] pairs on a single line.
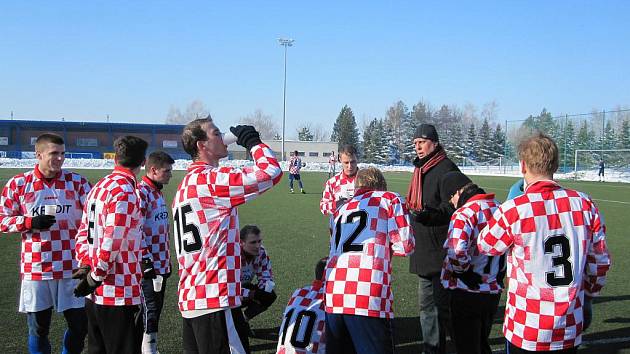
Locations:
{"points": [[508, 171]]}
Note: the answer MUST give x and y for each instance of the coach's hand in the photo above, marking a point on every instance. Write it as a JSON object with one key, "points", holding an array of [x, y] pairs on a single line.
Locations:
{"points": [[86, 286], [82, 272], [148, 272], [423, 216], [42, 222], [470, 278], [246, 136], [588, 312]]}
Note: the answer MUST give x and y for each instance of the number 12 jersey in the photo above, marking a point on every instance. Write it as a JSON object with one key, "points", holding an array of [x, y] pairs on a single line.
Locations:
{"points": [[366, 232]]}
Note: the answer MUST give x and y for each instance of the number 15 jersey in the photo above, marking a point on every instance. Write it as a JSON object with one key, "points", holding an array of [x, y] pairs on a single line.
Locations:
{"points": [[366, 232], [206, 228], [555, 241]]}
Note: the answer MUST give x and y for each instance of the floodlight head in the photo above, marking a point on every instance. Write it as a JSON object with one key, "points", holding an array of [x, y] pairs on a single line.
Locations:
{"points": [[287, 42]]}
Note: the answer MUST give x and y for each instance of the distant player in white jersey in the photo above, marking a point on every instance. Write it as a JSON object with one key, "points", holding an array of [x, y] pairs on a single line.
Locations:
{"points": [[340, 187], [367, 231], [109, 252], [475, 281], [45, 206], [206, 231], [557, 258], [304, 321], [295, 165], [156, 263], [332, 164]]}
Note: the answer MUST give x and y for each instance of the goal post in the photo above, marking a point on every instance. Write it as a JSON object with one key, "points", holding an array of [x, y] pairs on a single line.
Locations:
{"points": [[614, 159]]}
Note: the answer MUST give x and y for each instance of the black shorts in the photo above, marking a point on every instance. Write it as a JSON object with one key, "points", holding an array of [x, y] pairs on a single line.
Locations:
{"points": [[215, 333]]}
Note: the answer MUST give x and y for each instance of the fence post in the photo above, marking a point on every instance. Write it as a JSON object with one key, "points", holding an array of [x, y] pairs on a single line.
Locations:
{"points": [[566, 120]]}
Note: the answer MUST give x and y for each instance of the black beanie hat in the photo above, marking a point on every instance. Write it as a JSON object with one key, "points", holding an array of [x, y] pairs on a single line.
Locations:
{"points": [[426, 131], [453, 181]]}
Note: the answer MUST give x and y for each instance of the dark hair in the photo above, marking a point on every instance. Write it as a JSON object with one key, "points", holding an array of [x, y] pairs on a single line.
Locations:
{"points": [[348, 150], [193, 132], [130, 151], [159, 159], [249, 229], [48, 138], [320, 267]]}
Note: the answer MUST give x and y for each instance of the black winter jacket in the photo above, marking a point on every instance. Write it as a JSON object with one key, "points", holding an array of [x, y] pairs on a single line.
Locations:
{"points": [[429, 255]]}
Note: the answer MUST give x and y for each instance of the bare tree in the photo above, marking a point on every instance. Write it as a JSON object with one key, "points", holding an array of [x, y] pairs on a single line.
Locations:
{"points": [[262, 122], [490, 111], [318, 131], [195, 109]]}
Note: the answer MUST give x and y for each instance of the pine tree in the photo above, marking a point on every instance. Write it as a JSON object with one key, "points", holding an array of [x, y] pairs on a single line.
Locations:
{"points": [[304, 134], [397, 121], [345, 128], [484, 142], [456, 148], [369, 145], [498, 141], [471, 143], [623, 135]]}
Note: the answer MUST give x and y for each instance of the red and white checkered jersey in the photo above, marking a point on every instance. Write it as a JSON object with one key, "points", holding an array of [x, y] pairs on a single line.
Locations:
{"points": [[46, 254], [366, 232], [258, 267], [332, 159], [295, 165], [156, 228], [303, 328], [461, 247], [206, 228], [110, 238], [337, 187], [555, 241]]}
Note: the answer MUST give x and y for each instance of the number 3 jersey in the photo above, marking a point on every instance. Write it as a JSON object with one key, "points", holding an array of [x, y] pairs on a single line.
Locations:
{"points": [[206, 228], [555, 241], [155, 228], [46, 254], [304, 322], [110, 237], [366, 232]]}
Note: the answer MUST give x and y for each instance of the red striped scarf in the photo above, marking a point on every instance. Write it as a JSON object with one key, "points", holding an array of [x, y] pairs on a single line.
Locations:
{"points": [[414, 195]]}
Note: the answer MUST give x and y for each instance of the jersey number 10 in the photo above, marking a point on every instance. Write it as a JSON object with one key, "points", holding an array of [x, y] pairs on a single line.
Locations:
{"points": [[304, 317]]}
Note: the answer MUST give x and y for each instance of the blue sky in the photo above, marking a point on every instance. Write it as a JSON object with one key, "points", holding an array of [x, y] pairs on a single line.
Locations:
{"points": [[135, 59]]}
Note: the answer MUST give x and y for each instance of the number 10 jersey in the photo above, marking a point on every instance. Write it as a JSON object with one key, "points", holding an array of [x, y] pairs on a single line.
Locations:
{"points": [[366, 232], [304, 324]]}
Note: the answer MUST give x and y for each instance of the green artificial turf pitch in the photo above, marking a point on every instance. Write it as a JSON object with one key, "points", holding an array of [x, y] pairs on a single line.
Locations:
{"points": [[296, 235]]}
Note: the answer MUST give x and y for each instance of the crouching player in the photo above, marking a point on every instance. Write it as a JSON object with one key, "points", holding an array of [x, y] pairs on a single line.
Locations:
{"points": [[475, 280], [156, 265], [304, 321], [555, 240], [366, 231], [255, 263]]}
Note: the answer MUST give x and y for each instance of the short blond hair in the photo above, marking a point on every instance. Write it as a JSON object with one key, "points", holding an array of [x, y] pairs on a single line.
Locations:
{"points": [[539, 153], [370, 178]]}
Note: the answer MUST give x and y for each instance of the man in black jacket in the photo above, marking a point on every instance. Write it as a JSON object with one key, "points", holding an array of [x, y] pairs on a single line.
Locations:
{"points": [[431, 213]]}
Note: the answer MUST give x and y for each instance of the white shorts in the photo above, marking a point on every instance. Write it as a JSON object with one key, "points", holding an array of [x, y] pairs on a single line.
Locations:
{"points": [[38, 295]]}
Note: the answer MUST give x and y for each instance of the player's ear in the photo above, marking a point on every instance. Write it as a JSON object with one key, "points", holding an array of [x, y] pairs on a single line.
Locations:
{"points": [[522, 166]]}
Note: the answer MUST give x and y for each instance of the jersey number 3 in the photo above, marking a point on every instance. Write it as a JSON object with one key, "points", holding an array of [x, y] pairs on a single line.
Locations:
{"points": [[561, 259], [187, 235]]}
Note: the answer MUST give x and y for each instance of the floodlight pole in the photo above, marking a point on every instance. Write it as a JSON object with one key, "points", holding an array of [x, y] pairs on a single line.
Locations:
{"points": [[286, 43]]}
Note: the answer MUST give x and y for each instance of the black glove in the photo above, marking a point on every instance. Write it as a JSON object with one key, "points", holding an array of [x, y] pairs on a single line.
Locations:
{"points": [[264, 298], [588, 312], [423, 216], [82, 272], [340, 202], [42, 222], [148, 272], [86, 286], [246, 136], [470, 278]]}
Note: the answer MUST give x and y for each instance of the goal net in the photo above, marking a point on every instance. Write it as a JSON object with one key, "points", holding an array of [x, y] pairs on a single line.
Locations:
{"points": [[587, 165]]}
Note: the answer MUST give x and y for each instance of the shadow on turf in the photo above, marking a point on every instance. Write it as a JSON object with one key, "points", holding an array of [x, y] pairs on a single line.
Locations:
{"points": [[600, 299]]}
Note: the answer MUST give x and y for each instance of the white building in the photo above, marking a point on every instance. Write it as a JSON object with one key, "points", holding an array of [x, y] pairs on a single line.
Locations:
{"points": [[309, 151]]}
